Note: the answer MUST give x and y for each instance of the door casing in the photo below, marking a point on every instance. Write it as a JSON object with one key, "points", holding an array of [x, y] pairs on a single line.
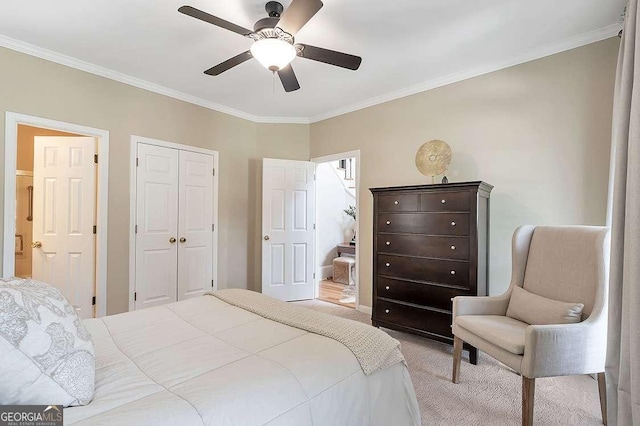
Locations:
{"points": [[12, 120]]}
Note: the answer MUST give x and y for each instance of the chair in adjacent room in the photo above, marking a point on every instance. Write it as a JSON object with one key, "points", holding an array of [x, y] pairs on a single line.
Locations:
{"points": [[343, 270], [552, 320]]}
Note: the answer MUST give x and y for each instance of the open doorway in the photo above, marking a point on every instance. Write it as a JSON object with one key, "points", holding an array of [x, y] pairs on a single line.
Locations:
{"points": [[25, 195], [336, 226], [55, 208]]}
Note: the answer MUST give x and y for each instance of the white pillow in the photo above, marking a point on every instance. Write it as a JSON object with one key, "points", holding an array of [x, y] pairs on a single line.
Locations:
{"points": [[537, 310], [46, 354]]}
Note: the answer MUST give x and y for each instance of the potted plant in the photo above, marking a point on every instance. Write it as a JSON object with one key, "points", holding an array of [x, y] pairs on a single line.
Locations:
{"points": [[351, 211]]}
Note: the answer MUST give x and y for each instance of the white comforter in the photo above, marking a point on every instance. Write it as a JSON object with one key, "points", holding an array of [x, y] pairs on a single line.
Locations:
{"points": [[203, 361]]}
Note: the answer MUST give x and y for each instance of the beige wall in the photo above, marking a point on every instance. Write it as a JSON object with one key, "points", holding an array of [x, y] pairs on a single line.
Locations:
{"points": [[37, 87], [539, 132]]}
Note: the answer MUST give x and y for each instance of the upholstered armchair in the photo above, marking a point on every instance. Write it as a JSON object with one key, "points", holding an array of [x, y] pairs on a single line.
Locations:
{"points": [[555, 269]]}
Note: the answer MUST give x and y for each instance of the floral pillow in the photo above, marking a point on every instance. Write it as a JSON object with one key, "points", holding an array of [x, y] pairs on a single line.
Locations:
{"points": [[46, 354]]}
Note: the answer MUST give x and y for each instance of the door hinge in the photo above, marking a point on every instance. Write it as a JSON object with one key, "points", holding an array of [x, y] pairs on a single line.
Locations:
{"points": [[214, 172], [135, 296], [95, 229], [314, 176], [95, 158], [136, 161], [93, 301], [136, 231], [314, 226], [213, 227], [211, 283], [314, 275]]}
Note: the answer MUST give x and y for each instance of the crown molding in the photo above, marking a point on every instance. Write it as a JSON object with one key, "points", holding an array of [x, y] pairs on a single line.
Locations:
{"points": [[551, 49], [571, 43], [78, 64]]}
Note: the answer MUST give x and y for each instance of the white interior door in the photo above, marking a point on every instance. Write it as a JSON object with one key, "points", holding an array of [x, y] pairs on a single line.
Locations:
{"points": [[64, 212], [195, 225], [288, 212], [157, 226]]}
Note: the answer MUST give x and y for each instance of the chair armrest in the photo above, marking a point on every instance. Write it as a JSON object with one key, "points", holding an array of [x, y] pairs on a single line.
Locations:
{"points": [[565, 349], [480, 305]]}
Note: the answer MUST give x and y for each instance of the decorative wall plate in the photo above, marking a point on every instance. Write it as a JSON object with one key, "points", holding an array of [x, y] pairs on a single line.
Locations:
{"points": [[433, 158]]}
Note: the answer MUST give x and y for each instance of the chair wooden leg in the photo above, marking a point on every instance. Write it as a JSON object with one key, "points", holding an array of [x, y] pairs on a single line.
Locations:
{"points": [[528, 392], [457, 355], [602, 389]]}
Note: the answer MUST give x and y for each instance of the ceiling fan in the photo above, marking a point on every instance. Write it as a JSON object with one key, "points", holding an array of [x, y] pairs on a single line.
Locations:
{"points": [[274, 43]]}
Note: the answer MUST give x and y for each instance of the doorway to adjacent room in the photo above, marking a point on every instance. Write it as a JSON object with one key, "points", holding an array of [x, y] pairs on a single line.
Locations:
{"points": [[55, 208], [336, 228]]}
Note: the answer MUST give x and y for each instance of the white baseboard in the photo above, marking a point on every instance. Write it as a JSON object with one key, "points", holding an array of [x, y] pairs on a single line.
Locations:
{"points": [[364, 309]]}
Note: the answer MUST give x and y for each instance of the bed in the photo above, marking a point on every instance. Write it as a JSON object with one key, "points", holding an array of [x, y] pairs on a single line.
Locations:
{"points": [[210, 360]]}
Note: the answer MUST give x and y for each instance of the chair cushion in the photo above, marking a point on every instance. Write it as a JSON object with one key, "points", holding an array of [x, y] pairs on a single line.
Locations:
{"points": [[504, 332], [533, 309], [563, 264], [46, 353], [345, 259]]}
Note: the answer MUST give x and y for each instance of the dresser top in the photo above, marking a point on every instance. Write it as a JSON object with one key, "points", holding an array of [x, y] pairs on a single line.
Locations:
{"points": [[437, 186]]}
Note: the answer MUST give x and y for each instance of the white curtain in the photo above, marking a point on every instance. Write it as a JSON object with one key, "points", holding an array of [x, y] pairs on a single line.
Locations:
{"points": [[623, 349]]}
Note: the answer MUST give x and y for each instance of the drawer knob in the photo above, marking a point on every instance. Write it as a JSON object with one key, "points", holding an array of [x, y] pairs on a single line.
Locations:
{"points": [[388, 222], [443, 201], [453, 224], [387, 264], [386, 288], [388, 243], [386, 311], [453, 247], [453, 272], [395, 202]]}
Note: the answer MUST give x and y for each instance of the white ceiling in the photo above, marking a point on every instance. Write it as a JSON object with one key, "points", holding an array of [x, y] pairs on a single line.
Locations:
{"points": [[407, 46]]}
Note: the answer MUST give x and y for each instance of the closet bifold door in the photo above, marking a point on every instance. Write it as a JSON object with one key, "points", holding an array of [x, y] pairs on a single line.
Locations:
{"points": [[195, 218], [157, 222]]}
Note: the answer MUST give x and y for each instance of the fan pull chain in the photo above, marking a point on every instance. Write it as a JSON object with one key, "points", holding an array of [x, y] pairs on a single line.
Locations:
{"points": [[273, 83]]}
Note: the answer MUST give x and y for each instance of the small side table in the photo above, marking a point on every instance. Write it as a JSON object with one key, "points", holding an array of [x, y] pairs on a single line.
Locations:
{"points": [[346, 248]]}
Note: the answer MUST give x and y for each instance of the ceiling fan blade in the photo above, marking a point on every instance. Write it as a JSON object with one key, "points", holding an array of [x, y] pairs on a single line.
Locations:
{"points": [[327, 56], [204, 16], [229, 63], [288, 79], [297, 14]]}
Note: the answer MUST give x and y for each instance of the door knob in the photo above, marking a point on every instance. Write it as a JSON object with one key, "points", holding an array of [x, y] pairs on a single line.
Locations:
{"points": [[183, 240], [36, 244], [266, 238], [172, 240]]}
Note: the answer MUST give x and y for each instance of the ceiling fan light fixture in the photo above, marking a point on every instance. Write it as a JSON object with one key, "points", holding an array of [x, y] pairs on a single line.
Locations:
{"points": [[274, 54]]}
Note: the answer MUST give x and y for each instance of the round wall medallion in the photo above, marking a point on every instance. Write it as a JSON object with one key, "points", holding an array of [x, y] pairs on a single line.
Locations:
{"points": [[433, 158]]}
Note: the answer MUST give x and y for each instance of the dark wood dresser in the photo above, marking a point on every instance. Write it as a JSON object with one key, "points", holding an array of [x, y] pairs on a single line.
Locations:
{"points": [[430, 243]]}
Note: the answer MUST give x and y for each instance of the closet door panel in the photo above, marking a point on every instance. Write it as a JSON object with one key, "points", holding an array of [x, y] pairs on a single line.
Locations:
{"points": [[157, 220], [195, 219]]}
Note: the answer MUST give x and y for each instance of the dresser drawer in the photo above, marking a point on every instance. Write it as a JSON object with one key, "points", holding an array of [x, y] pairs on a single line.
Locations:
{"points": [[398, 203], [425, 223], [410, 316], [418, 293], [424, 245], [430, 270], [445, 201]]}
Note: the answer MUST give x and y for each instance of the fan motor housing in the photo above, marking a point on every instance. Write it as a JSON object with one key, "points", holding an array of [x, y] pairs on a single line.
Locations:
{"points": [[265, 23]]}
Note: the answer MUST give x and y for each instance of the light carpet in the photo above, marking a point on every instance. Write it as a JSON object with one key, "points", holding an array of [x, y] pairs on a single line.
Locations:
{"points": [[488, 393]]}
